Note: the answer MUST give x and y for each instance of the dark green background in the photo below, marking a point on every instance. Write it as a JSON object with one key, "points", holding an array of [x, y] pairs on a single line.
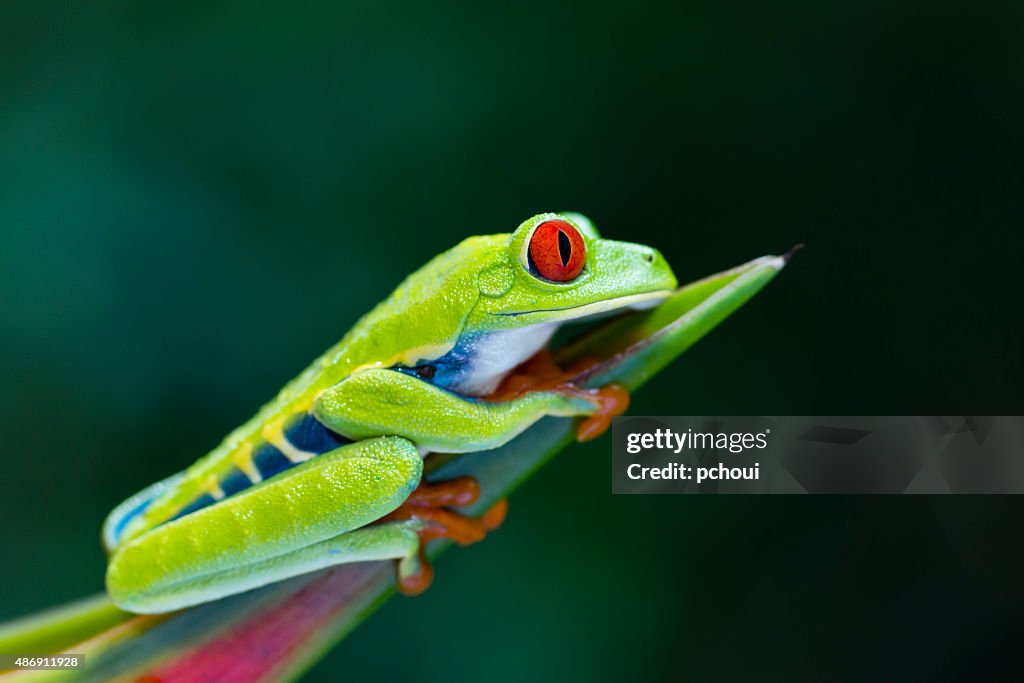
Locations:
{"points": [[197, 198]]}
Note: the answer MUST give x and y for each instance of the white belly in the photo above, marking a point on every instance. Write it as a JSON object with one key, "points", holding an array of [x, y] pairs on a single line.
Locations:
{"points": [[495, 354]]}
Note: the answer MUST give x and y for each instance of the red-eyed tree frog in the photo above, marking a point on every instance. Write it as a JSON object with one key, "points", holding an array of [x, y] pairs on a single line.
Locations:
{"points": [[329, 471]]}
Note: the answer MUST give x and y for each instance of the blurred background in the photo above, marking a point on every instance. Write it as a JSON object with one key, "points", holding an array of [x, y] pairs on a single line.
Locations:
{"points": [[197, 198]]}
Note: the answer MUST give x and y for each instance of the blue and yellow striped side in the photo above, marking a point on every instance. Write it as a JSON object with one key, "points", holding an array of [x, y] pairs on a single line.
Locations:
{"points": [[302, 438]]}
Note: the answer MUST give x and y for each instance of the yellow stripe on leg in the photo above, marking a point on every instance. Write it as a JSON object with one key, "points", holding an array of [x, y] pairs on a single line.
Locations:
{"points": [[274, 434], [212, 486], [243, 460]]}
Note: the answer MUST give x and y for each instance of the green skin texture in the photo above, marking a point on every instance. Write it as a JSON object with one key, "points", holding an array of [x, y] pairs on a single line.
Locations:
{"points": [[320, 512]]}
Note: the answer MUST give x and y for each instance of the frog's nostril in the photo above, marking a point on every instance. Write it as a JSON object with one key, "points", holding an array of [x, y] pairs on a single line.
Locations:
{"points": [[649, 257]]}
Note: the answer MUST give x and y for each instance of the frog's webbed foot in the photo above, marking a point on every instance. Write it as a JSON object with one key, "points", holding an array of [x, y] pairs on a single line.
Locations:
{"points": [[429, 504], [541, 373]]}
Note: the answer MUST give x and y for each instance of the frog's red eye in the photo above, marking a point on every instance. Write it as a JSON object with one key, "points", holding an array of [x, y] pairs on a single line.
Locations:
{"points": [[557, 251]]}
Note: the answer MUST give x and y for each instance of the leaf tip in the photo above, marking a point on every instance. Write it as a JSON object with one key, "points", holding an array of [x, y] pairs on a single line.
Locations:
{"points": [[788, 256]]}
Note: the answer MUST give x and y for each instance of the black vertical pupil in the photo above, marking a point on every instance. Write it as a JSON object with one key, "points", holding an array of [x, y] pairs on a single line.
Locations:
{"points": [[564, 248]]}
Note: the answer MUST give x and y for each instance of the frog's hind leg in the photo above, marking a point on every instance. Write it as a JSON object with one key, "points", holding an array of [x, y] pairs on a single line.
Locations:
{"points": [[428, 507], [316, 514], [123, 514]]}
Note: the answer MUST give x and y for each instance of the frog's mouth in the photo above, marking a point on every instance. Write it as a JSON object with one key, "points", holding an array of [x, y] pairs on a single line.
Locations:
{"points": [[597, 308]]}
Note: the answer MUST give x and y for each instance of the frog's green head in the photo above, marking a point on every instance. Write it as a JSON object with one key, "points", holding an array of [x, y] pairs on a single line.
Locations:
{"points": [[553, 269], [556, 268], [478, 310]]}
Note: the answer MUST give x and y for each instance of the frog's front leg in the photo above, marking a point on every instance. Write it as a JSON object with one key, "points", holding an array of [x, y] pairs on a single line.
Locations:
{"points": [[317, 514], [375, 402]]}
